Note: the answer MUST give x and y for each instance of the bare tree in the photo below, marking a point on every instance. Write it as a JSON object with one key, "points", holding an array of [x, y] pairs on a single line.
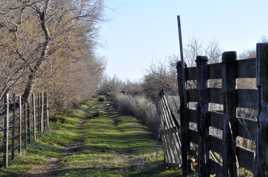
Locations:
{"points": [[36, 29]]}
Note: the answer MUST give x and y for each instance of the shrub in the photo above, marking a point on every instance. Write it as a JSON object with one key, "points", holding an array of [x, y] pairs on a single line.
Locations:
{"points": [[141, 108]]}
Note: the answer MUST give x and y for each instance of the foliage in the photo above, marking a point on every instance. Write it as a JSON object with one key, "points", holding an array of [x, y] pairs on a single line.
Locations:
{"points": [[48, 45], [140, 107]]}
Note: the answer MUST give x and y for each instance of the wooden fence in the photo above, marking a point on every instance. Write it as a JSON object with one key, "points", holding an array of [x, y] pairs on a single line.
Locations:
{"points": [[22, 123], [214, 118], [169, 132]]}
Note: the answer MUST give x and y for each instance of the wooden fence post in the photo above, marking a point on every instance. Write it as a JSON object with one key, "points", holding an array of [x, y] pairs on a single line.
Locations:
{"points": [[38, 113], [25, 124], [202, 109], [6, 131], [13, 126], [34, 116], [20, 125], [42, 112], [262, 133], [229, 132], [29, 121], [47, 110], [181, 77]]}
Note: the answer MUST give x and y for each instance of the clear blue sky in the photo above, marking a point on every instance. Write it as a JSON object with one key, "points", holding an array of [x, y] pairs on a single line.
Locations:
{"points": [[137, 33]]}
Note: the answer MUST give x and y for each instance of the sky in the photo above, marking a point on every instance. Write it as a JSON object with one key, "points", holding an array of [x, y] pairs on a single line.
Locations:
{"points": [[138, 33]]}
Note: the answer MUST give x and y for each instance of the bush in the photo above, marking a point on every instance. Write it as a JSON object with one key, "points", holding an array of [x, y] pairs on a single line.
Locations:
{"points": [[141, 108]]}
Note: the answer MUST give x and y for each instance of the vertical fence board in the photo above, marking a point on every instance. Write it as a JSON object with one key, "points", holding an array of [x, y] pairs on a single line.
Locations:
{"points": [[47, 111], [42, 112], [13, 126], [20, 125], [34, 116], [181, 77], [262, 133], [202, 108], [6, 131], [229, 132]]}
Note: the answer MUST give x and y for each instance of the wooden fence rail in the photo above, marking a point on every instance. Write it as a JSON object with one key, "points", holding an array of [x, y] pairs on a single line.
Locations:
{"points": [[22, 123], [206, 108]]}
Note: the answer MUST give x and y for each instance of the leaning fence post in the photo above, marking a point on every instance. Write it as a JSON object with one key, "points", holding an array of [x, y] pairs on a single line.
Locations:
{"points": [[262, 132], [6, 130], [229, 73], [181, 77], [202, 108], [20, 125]]}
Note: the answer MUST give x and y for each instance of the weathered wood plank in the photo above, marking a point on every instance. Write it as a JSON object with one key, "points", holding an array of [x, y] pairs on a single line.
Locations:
{"points": [[247, 98], [246, 68]]}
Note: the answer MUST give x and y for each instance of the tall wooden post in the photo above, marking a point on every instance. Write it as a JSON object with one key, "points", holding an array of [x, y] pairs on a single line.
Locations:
{"points": [[202, 108], [6, 131], [13, 127], [42, 112], [34, 116], [185, 145], [229, 73], [20, 125], [262, 133]]}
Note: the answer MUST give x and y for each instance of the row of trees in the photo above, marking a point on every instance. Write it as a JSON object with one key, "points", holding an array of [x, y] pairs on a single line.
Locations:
{"points": [[48, 45]]}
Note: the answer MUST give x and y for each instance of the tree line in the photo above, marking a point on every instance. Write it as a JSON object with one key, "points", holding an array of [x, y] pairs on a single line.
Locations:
{"points": [[48, 45]]}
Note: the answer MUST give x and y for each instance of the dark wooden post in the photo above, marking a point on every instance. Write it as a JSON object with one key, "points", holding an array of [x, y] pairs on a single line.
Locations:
{"points": [[13, 127], [34, 116], [20, 125], [262, 133], [229, 73], [6, 131], [202, 108], [185, 145]]}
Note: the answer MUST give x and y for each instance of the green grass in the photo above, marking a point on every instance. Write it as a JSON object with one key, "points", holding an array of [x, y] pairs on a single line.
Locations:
{"points": [[110, 145]]}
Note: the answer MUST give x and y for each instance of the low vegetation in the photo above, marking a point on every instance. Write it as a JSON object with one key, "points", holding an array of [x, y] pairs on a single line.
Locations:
{"points": [[82, 143]]}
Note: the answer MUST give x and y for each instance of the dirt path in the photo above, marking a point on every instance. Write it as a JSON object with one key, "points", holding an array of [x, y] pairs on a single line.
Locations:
{"points": [[93, 141], [53, 164]]}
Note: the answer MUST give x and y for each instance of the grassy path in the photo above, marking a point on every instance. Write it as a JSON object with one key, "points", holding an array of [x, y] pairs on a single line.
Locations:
{"points": [[85, 144]]}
